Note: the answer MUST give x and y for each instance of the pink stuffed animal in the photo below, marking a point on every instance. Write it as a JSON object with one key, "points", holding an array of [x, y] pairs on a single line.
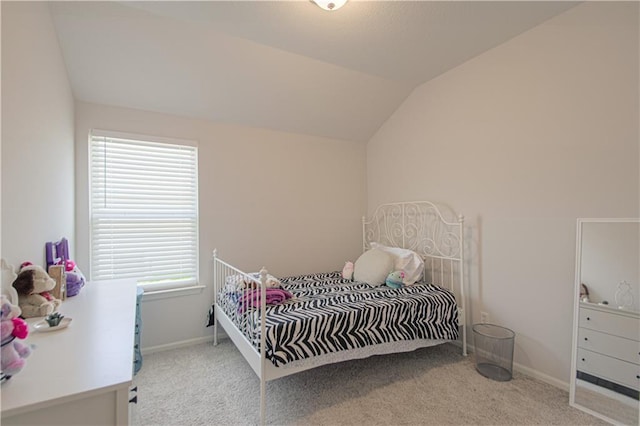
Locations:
{"points": [[347, 271], [12, 327]]}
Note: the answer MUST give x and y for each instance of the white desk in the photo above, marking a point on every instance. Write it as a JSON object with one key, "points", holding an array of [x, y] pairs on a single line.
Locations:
{"points": [[79, 375]]}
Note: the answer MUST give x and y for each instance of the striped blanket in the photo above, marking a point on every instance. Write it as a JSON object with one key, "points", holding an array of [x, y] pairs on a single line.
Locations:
{"points": [[331, 314]]}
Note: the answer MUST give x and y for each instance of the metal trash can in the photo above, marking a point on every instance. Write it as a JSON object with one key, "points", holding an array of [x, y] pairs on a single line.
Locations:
{"points": [[494, 351]]}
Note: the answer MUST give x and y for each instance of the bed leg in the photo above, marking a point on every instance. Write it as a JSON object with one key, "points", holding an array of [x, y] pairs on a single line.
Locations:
{"points": [[463, 324], [263, 402], [216, 283], [464, 340]]}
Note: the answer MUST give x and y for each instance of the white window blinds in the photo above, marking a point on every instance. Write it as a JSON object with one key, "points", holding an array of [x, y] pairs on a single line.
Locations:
{"points": [[144, 210]]}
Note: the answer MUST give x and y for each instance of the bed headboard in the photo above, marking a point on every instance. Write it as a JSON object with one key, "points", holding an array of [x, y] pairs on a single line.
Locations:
{"points": [[421, 226]]}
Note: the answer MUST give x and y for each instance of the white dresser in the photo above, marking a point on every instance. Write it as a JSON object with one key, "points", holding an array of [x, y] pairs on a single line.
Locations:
{"points": [[609, 344], [79, 375]]}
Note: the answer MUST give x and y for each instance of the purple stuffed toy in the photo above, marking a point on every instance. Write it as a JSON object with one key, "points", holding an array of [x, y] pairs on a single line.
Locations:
{"points": [[57, 253], [75, 278]]}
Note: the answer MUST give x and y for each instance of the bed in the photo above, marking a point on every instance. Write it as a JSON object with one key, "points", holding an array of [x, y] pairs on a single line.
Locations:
{"points": [[286, 325]]}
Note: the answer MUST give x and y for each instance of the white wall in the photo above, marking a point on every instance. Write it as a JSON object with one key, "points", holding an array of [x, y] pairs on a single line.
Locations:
{"points": [[37, 135], [289, 202], [523, 139]]}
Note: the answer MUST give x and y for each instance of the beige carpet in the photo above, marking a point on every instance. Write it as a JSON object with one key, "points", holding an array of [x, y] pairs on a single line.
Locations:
{"points": [[213, 385]]}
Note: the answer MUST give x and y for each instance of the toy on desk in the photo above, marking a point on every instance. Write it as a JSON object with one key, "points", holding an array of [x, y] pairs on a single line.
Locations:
{"points": [[75, 278], [8, 277], [12, 328], [57, 253], [33, 285]]}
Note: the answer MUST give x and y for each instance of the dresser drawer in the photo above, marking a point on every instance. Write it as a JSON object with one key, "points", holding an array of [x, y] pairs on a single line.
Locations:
{"points": [[612, 369], [610, 323], [607, 344]]}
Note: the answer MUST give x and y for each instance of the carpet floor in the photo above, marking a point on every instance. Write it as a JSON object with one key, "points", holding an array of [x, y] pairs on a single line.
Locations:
{"points": [[213, 385]]}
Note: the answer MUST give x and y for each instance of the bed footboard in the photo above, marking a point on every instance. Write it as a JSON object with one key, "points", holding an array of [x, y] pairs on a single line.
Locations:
{"points": [[237, 323]]}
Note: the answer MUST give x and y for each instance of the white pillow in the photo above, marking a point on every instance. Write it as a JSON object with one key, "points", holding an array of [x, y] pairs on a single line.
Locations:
{"points": [[404, 260], [373, 266]]}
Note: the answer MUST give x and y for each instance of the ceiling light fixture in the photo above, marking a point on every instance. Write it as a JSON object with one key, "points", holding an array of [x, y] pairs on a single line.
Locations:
{"points": [[329, 4]]}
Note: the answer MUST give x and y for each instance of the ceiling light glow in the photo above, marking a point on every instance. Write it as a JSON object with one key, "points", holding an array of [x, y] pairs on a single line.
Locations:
{"points": [[330, 4]]}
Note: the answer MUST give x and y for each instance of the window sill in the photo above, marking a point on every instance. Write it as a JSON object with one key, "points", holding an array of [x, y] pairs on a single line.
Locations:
{"points": [[172, 292]]}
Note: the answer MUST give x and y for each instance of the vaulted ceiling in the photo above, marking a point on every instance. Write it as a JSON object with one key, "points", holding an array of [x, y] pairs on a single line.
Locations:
{"points": [[284, 65]]}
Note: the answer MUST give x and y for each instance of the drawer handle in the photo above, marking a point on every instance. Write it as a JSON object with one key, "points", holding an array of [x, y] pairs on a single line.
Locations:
{"points": [[583, 359], [588, 318], [586, 339]]}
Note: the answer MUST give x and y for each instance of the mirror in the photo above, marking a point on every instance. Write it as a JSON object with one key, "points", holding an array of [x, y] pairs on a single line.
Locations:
{"points": [[605, 368]]}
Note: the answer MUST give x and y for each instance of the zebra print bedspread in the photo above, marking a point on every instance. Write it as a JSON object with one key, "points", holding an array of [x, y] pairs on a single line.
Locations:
{"points": [[331, 314]]}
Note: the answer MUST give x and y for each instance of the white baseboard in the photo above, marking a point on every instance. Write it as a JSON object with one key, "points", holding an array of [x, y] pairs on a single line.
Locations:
{"points": [[533, 373], [175, 345], [528, 371]]}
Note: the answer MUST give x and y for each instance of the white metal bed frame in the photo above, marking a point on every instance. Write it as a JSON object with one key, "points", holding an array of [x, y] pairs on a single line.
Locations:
{"points": [[418, 226]]}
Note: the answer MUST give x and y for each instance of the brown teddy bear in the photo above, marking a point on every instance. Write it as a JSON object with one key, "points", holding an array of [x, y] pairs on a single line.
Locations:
{"points": [[33, 285]]}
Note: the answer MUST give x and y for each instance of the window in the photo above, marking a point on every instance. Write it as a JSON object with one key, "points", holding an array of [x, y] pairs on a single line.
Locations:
{"points": [[143, 210]]}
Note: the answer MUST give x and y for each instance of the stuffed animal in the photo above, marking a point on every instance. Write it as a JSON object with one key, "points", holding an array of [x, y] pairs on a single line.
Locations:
{"points": [[8, 277], [395, 279], [347, 271], [75, 278], [584, 293], [12, 328], [33, 285]]}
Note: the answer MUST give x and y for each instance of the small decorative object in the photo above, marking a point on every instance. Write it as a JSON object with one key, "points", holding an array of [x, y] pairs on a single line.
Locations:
{"points": [[57, 253], [33, 285], [45, 326], [57, 273], [624, 297], [584, 293], [395, 279], [13, 352], [54, 319]]}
